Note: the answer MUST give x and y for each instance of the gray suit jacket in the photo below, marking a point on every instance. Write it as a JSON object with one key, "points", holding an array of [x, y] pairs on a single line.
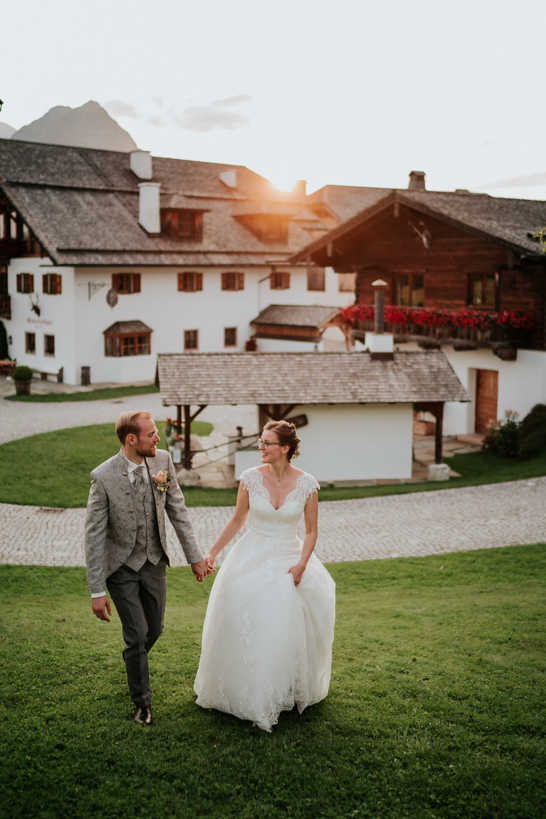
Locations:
{"points": [[110, 528]]}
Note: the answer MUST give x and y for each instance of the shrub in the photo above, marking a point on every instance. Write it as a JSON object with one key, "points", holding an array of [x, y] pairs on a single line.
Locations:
{"points": [[22, 373], [503, 437], [533, 433]]}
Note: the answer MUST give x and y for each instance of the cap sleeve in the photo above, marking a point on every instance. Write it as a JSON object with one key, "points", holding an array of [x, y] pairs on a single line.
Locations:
{"points": [[249, 478], [311, 486]]}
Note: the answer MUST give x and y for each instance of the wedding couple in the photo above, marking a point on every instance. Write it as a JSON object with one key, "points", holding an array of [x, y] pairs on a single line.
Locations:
{"points": [[268, 632]]}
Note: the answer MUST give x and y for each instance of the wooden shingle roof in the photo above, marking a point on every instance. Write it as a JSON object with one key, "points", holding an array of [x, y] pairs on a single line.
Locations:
{"points": [[306, 378], [295, 315]]}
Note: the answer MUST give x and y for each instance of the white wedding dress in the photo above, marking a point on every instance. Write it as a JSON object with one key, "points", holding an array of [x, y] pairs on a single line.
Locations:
{"points": [[267, 645]]}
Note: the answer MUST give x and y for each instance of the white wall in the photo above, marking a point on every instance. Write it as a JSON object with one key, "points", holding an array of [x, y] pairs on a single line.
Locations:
{"points": [[56, 318], [351, 442], [331, 296], [522, 384]]}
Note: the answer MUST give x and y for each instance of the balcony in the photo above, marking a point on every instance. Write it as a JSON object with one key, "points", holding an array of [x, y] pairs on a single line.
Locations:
{"points": [[5, 306], [469, 329]]}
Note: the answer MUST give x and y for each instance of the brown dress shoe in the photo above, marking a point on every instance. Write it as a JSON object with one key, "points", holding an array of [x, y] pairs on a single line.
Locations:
{"points": [[143, 715]]}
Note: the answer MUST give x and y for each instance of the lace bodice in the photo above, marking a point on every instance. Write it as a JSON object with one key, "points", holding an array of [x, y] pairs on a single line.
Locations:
{"points": [[264, 518]]}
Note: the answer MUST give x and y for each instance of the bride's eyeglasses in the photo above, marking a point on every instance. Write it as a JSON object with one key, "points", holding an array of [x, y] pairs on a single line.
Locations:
{"points": [[267, 444]]}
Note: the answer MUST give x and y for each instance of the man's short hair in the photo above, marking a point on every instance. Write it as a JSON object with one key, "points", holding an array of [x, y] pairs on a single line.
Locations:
{"points": [[128, 423]]}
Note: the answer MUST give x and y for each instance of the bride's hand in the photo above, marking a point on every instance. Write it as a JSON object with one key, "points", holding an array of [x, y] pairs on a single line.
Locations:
{"points": [[297, 573], [210, 563]]}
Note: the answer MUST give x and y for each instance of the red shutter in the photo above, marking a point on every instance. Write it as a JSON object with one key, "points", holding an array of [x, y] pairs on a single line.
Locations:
{"points": [[136, 282], [225, 280], [241, 281], [19, 283], [116, 282], [198, 281], [181, 281]]}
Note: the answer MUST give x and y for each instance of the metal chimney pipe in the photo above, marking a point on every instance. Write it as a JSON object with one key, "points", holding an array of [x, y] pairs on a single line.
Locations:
{"points": [[379, 303]]}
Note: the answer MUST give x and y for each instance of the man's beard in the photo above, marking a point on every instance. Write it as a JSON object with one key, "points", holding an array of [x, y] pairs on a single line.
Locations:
{"points": [[145, 453]]}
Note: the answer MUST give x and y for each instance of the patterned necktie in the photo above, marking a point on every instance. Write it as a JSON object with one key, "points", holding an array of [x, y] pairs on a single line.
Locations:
{"points": [[140, 482]]}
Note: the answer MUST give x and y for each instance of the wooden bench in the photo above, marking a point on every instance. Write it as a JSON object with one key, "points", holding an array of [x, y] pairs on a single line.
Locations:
{"points": [[7, 367], [44, 375]]}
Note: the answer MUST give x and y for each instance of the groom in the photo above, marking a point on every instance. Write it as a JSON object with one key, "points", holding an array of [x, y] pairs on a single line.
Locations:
{"points": [[126, 544]]}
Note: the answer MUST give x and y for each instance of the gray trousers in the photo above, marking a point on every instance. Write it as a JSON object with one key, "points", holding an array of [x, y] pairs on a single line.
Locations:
{"points": [[139, 598]]}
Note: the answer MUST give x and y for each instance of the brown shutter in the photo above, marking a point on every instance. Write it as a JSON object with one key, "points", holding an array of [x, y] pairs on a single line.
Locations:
{"points": [[225, 280], [198, 281], [44, 283], [241, 281], [181, 281], [116, 281], [31, 282], [136, 282], [19, 283], [286, 282], [58, 284]]}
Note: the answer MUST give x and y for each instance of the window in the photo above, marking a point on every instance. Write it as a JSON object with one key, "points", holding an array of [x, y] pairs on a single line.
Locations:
{"points": [[122, 345], [191, 340], [125, 283], [190, 282], [316, 279], [25, 283], [52, 284], [181, 224], [230, 336], [30, 343], [482, 289], [233, 281], [49, 345], [347, 282], [279, 281], [410, 289]]}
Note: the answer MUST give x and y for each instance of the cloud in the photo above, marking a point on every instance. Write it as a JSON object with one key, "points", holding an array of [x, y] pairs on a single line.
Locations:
{"points": [[229, 102], [200, 118], [118, 108]]}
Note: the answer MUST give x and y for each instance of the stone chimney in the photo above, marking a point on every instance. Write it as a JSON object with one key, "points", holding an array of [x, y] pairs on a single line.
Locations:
{"points": [[417, 181], [148, 207], [141, 164]]}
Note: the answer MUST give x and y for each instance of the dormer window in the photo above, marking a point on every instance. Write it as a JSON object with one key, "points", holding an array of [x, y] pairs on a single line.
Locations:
{"points": [[181, 224], [268, 227]]}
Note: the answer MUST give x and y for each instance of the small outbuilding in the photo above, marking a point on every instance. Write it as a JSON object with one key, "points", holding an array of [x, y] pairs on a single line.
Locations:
{"points": [[354, 410]]}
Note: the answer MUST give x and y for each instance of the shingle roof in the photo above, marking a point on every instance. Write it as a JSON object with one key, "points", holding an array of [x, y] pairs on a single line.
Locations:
{"points": [[295, 315], [129, 327], [510, 222], [345, 201], [82, 206], [306, 378]]}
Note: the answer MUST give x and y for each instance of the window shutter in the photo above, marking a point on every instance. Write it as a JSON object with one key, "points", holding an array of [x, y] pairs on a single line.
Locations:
{"points": [[136, 282], [225, 281], [58, 284], [286, 280], [19, 283], [241, 281], [31, 282], [44, 283], [198, 281], [181, 281], [116, 282]]}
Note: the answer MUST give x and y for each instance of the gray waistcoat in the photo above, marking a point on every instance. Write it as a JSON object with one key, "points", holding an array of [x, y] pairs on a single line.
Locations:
{"points": [[148, 544]]}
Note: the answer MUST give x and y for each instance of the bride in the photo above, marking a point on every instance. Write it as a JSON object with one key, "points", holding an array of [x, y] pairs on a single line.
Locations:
{"points": [[269, 627]]}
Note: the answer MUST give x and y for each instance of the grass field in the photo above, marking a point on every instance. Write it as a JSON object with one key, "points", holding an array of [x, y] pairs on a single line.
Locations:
{"points": [[92, 395], [57, 466], [436, 706]]}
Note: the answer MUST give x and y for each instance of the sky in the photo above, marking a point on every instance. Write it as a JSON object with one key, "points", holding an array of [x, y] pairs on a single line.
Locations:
{"points": [[346, 92]]}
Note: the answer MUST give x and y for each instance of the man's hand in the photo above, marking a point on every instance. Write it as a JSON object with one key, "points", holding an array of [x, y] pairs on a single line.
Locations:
{"points": [[100, 606], [200, 570]]}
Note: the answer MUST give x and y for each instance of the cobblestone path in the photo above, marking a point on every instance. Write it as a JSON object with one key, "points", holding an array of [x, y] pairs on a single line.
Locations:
{"points": [[424, 523]]}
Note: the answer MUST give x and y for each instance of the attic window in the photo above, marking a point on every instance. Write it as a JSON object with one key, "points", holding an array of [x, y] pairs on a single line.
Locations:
{"points": [[274, 228], [181, 224]]}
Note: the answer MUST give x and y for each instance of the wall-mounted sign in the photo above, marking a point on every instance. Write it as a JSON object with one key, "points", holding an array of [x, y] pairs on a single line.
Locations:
{"points": [[112, 297]]}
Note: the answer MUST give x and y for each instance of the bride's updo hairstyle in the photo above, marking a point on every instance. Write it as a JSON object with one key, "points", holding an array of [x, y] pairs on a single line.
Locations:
{"points": [[286, 433]]}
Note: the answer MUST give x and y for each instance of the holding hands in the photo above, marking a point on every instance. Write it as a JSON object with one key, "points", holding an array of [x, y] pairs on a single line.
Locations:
{"points": [[202, 569]]}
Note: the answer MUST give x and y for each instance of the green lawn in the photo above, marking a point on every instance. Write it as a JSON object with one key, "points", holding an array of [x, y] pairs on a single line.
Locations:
{"points": [[57, 467], [436, 707], [92, 395]]}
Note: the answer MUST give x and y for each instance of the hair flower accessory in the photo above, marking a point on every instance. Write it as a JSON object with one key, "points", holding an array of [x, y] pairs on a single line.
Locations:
{"points": [[162, 481]]}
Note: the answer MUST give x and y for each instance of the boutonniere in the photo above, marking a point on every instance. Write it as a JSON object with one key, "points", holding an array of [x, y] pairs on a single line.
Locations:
{"points": [[162, 481]]}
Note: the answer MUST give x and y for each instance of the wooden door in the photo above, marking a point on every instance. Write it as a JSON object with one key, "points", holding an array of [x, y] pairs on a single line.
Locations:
{"points": [[487, 391]]}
